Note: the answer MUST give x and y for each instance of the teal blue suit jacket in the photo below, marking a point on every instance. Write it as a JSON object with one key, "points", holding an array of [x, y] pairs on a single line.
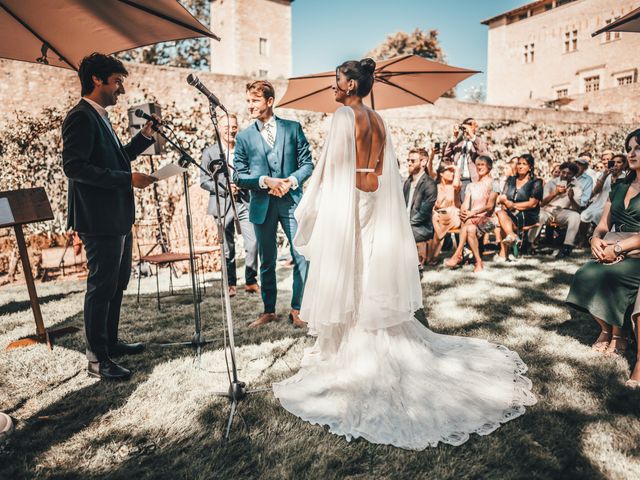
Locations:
{"points": [[254, 158]]}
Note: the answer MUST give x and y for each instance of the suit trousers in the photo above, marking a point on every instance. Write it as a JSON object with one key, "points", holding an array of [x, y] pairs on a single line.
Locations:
{"points": [[109, 262], [250, 247], [563, 217], [280, 211]]}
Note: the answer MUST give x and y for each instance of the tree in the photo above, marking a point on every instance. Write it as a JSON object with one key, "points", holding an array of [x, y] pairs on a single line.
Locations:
{"points": [[190, 53], [420, 42]]}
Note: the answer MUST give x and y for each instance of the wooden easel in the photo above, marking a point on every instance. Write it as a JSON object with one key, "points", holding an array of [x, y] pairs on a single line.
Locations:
{"points": [[19, 207]]}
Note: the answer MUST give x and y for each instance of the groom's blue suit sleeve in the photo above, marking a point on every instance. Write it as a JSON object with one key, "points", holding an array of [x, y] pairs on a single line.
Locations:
{"points": [[242, 173], [305, 164]]}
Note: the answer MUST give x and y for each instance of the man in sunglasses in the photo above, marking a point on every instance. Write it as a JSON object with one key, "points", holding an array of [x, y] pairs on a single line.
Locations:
{"points": [[420, 194]]}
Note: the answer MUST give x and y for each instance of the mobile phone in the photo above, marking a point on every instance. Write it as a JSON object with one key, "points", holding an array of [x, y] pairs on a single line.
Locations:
{"points": [[611, 164], [436, 146]]}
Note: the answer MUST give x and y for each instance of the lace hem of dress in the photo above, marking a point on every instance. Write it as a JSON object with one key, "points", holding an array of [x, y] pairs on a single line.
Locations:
{"points": [[522, 397]]}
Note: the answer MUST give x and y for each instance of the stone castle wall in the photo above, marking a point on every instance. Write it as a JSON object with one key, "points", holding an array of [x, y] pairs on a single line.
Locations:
{"points": [[34, 99]]}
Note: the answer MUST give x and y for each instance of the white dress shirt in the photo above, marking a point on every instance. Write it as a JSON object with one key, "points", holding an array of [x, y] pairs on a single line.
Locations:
{"points": [[104, 115]]}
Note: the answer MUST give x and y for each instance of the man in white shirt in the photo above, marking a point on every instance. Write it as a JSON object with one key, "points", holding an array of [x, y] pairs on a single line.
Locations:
{"points": [[273, 160], [241, 196], [560, 205]]}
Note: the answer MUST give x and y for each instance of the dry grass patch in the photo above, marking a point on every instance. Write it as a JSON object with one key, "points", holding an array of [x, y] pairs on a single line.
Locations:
{"points": [[167, 421]]}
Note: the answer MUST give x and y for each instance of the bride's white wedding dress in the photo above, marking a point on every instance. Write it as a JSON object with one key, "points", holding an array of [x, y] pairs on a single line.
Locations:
{"points": [[374, 371]]}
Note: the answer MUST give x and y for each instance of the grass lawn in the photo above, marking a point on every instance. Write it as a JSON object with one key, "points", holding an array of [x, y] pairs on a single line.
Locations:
{"points": [[167, 421]]}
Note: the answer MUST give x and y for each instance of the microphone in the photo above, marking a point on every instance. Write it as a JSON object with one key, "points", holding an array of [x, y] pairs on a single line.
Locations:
{"points": [[141, 114], [195, 82]]}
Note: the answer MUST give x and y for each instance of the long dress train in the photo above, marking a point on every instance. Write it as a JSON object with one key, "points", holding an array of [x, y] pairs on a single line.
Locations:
{"points": [[374, 371]]}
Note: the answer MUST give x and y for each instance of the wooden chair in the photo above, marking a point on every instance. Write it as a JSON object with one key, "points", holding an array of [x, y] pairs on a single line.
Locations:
{"points": [[61, 258], [150, 251]]}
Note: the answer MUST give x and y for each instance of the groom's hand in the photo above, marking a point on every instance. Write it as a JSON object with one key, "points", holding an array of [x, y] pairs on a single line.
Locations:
{"points": [[277, 186]]}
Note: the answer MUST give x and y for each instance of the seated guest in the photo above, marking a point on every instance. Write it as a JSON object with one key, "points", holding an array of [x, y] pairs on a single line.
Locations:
{"points": [[583, 178], [615, 170], [560, 206], [476, 213], [420, 193], [446, 211], [520, 202], [607, 287]]}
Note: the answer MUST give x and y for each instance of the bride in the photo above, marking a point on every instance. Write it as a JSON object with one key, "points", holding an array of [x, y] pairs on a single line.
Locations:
{"points": [[374, 371]]}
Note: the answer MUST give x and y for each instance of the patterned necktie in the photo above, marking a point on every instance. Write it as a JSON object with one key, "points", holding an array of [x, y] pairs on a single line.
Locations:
{"points": [[270, 140]]}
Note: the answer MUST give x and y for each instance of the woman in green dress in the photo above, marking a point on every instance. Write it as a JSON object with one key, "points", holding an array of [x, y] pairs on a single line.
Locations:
{"points": [[607, 287]]}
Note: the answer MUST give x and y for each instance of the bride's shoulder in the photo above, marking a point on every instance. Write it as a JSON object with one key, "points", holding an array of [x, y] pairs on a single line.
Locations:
{"points": [[344, 111]]}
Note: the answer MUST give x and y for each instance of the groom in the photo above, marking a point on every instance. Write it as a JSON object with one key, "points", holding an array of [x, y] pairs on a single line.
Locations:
{"points": [[272, 159]]}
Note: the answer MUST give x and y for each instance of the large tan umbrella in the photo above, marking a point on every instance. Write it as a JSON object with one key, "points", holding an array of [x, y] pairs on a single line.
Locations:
{"points": [[399, 82], [61, 32], [629, 23]]}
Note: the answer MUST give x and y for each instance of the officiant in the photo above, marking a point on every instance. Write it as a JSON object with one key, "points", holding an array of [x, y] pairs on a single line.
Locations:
{"points": [[101, 208]]}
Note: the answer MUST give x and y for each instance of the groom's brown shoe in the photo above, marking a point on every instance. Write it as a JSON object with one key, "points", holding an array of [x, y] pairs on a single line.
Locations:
{"points": [[294, 317], [263, 319]]}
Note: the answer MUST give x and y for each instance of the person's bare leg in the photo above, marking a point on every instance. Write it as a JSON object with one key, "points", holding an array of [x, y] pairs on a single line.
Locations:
{"points": [[436, 249], [474, 245], [603, 340], [456, 258], [618, 344]]}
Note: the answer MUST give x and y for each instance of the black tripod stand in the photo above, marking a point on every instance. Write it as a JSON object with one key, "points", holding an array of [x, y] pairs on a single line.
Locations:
{"points": [[219, 167], [198, 340]]}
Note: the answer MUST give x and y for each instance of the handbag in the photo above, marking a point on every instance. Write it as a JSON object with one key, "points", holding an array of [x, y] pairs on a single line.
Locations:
{"points": [[612, 237]]}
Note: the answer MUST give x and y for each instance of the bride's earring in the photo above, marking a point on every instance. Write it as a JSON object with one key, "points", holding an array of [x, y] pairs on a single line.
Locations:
{"points": [[348, 93]]}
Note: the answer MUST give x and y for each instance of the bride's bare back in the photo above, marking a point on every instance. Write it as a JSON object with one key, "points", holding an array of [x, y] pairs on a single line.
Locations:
{"points": [[370, 143]]}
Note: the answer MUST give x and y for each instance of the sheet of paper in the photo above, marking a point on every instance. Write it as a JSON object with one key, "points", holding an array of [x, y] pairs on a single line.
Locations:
{"points": [[167, 171], [6, 215]]}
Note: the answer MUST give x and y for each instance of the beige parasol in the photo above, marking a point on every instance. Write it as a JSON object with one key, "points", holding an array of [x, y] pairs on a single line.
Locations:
{"points": [[61, 32], [399, 82]]}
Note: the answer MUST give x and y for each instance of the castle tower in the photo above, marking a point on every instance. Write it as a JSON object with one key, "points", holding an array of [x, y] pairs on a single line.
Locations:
{"points": [[256, 38]]}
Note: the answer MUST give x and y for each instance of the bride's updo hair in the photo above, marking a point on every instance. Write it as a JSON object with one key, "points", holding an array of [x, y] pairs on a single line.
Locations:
{"points": [[360, 71]]}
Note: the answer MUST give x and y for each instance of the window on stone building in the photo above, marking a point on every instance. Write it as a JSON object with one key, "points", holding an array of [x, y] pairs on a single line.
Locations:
{"points": [[592, 84], [529, 53], [263, 46], [263, 73], [608, 36], [625, 80], [570, 41], [561, 93]]}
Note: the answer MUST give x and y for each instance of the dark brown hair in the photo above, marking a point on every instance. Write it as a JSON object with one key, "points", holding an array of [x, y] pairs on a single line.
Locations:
{"points": [[99, 65]]}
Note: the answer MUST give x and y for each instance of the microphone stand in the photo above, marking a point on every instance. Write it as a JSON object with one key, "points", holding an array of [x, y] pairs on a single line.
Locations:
{"points": [[198, 340], [237, 389]]}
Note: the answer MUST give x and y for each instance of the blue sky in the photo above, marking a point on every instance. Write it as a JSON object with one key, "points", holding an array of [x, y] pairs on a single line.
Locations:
{"points": [[327, 32]]}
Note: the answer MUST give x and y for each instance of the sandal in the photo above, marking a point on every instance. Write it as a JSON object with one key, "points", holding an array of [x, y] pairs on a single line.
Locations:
{"points": [[453, 262], [632, 384], [616, 351], [601, 345]]}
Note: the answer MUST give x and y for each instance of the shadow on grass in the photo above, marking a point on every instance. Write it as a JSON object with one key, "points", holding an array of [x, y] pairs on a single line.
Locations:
{"points": [[268, 442], [23, 305]]}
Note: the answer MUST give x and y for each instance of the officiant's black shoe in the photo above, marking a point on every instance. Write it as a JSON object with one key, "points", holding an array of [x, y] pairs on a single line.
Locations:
{"points": [[122, 348], [108, 370]]}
